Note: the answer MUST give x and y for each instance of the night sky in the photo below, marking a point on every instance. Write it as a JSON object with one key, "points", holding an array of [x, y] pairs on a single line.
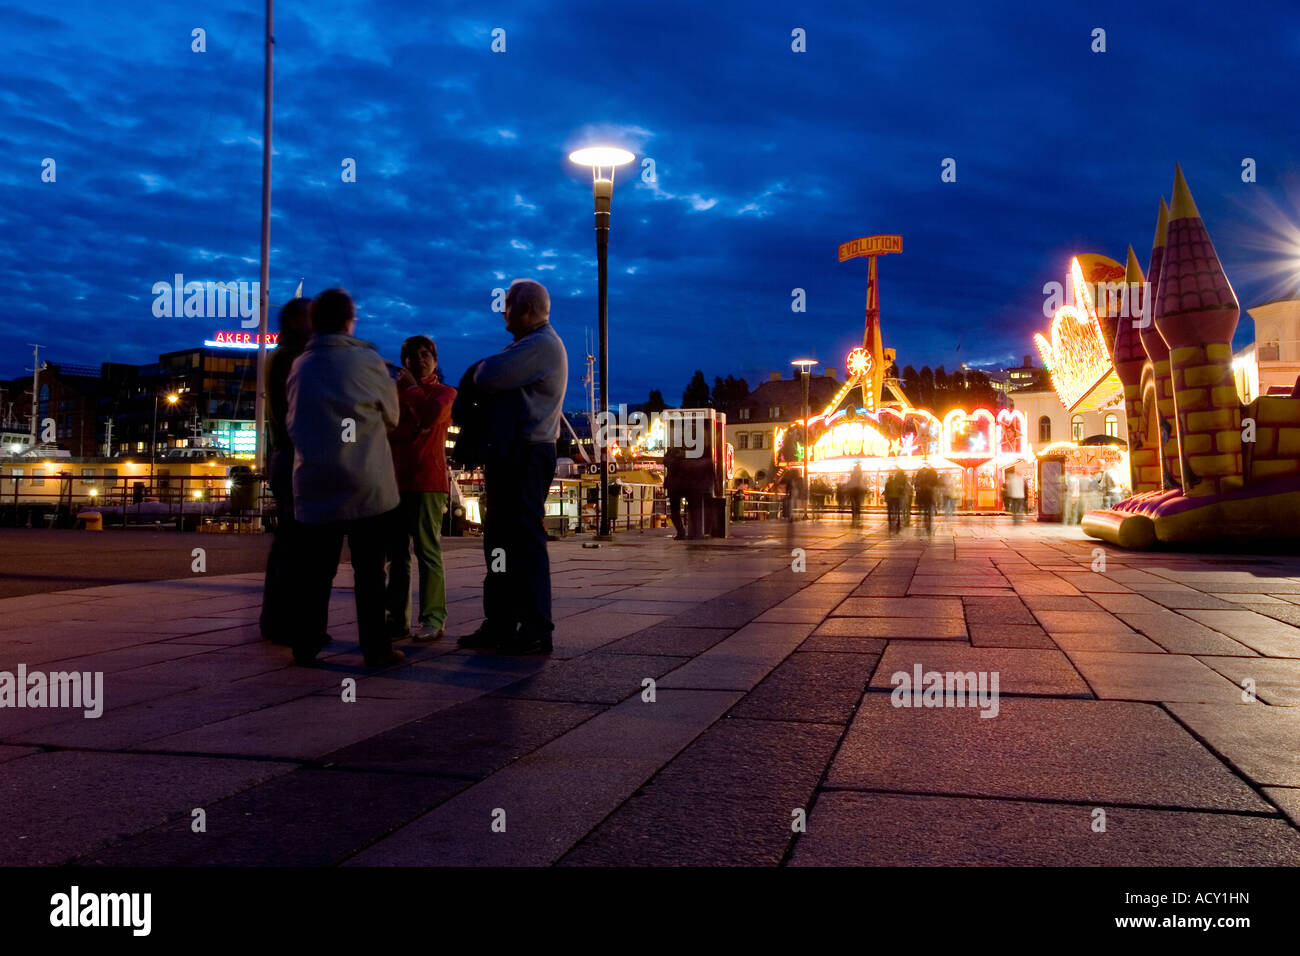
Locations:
{"points": [[766, 159]]}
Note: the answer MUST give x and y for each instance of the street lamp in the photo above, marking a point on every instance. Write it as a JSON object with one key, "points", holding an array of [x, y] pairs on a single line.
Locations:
{"points": [[603, 160], [804, 365], [172, 399]]}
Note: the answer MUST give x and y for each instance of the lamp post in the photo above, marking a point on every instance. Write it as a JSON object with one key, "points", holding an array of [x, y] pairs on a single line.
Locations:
{"points": [[603, 160], [172, 399], [804, 365]]}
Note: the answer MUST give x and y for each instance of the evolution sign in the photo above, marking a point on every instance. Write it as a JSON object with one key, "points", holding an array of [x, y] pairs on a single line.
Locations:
{"points": [[870, 246]]}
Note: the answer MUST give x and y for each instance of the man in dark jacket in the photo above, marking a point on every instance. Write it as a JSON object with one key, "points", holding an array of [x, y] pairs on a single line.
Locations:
{"points": [[284, 559], [517, 475]]}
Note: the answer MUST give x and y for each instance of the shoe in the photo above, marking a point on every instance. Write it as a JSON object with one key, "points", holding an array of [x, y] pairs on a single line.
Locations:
{"points": [[427, 633], [484, 637], [307, 656], [386, 660], [526, 644]]}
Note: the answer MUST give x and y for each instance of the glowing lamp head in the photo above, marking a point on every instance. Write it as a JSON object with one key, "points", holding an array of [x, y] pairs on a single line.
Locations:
{"points": [[94, 492], [196, 494], [173, 398], [602, 160]]}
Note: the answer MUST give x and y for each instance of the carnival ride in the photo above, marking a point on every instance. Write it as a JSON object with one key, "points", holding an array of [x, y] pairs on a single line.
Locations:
{"points": [[1203, 465], [884, 431]]}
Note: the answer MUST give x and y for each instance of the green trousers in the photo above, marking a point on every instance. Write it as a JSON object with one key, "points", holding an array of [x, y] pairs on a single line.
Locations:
{"points": [[420, 522]]}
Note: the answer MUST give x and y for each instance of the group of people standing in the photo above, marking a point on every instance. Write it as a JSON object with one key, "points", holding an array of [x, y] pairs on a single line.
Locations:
{"points": [[359, 455], [926, 488]]}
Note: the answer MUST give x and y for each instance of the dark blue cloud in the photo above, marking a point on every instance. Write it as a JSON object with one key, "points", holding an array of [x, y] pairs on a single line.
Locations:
{"points": [[766, 160]]}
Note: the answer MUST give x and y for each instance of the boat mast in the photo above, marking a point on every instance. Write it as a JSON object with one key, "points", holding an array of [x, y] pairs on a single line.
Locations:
{"points": [[259, 413]]}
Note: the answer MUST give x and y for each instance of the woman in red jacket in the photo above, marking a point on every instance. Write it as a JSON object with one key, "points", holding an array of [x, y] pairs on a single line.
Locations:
{"points": [[420, 461]]}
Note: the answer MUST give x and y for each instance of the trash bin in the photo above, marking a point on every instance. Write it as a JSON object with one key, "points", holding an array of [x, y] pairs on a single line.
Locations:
{"points": [[738, 506], [243, 488], [615, 494], [92, 520]]}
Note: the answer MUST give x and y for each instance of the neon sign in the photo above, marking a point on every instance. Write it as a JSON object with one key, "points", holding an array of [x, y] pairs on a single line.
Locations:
{"points": [[240, 340], [1077, 356]]}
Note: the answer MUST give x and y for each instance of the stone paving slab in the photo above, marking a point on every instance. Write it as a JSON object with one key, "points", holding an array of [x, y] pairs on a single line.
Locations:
{"points": [[557, 794], [880, 829], [1019, 670], [1260, 633], [740, 661], [1009, 635], [302, 729], [594, 678], [1153, 677], [470, 740], [1257, 739], [1277, 681], [1181, 635], [667, 640], [912, 628], [727, 800], [810, 686], [1078, 750], [305, 818], [900, 607], [1287, 799], [1126, 642], [61, 805]]}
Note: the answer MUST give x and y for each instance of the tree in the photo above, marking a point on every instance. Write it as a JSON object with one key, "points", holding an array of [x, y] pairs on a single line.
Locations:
{"points": [[940, 378], [697, 392], [912, 384], [655, 403], [729, 392]]}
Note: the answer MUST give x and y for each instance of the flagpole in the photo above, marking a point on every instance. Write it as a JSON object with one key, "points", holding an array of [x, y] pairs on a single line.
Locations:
{"points": [[259, 404]]}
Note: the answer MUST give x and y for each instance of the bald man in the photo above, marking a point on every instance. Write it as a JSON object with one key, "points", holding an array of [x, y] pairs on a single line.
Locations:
{"points": [[517, 478]]}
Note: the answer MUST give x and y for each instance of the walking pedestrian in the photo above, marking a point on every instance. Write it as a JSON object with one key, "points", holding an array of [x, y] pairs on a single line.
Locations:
{"points": [[927, 487], [420, 463], [1015, 488], [517, 477], [895, 493], [856, 489], [285, 557], [948, 491], [341, 405]]}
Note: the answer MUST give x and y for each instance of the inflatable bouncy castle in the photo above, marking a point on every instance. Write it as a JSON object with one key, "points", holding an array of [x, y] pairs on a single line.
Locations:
{"points": [[1204, 466]]}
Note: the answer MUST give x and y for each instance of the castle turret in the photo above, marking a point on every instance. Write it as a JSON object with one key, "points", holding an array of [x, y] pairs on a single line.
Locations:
{"points": [[1158, 352], [1130, 357], [1196, 314]]}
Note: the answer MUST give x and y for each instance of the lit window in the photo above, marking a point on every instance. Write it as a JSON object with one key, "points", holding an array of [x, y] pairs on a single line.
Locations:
{"points": [[758, 440], [742, 441], [774, 411], [1112, 425], [743, 414], [1076, 428], [1044, 429]]}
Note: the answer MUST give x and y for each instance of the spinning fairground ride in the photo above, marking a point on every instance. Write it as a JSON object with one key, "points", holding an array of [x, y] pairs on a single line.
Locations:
{"points": [[870, 422]]}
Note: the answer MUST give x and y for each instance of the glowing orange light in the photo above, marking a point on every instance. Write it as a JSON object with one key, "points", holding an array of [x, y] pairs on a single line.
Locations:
{"points": [[859, 362], [1076, 356]]}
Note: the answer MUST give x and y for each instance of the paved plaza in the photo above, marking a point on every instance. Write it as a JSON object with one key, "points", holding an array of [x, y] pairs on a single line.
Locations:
{"points": [[723, 702]]}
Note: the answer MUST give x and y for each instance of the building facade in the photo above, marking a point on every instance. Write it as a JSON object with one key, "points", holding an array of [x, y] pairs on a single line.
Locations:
{"points": [[752, 422], [1049, 421]]}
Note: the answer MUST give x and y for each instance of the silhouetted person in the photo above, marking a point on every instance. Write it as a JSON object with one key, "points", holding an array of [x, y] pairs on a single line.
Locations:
{"points": [[895, 495], [278, 593], [927, 489], [342, 404], [1015, 486], [517, 477], [857, 487], [420, 461]]}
